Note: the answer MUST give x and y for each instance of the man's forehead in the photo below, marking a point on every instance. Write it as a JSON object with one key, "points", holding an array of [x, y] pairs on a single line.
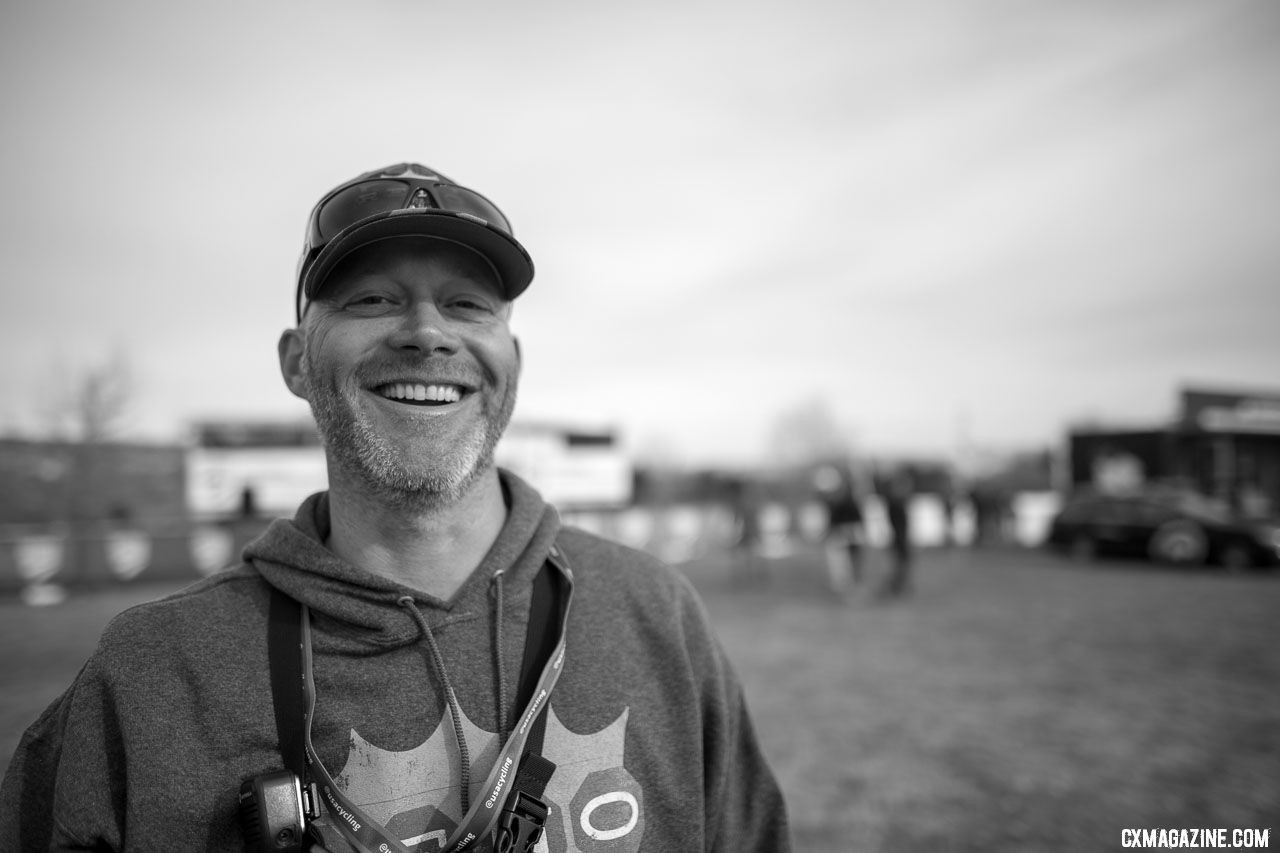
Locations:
{"points": [[409, 254]]}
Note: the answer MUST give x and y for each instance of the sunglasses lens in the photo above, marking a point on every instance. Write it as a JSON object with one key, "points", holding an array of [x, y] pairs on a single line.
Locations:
{"points": [[464, 200], [356, 202]]}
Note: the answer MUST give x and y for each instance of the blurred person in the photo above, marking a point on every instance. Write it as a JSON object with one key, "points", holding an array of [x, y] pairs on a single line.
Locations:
{"points": [[845, 532], [746, 504], [423, 658], [947, 503], [990, 511], [897, 497], [978, 504]]}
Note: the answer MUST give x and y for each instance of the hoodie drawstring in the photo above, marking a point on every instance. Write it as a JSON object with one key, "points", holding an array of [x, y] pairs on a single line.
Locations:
{"points": [[455, 712], [497, 657]]}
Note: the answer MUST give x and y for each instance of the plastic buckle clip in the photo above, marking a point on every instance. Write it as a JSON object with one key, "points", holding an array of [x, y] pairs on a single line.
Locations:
{"points": [[520, 825]]}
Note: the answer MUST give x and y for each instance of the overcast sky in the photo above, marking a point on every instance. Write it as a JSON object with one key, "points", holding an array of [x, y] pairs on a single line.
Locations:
{"points": [[946, 222]]}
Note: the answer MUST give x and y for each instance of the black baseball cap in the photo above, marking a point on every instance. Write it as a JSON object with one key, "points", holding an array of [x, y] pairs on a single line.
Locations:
{"points": [[407, 200]]}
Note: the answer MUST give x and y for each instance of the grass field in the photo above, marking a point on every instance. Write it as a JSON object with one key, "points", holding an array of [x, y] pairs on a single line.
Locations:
{"points": [[1014, 702]]}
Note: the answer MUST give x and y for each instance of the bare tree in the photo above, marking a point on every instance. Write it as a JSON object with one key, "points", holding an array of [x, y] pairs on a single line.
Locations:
{"points": [[91, 410], [90, 404], [103, 400]]}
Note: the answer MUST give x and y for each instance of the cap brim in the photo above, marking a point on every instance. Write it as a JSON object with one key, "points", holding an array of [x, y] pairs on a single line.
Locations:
{"points": [[509, 259]]}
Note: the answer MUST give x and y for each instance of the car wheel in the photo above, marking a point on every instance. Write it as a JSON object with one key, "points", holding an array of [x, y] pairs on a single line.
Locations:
{"points": [[1082, 548], [1235, 558], [1179, 542]]}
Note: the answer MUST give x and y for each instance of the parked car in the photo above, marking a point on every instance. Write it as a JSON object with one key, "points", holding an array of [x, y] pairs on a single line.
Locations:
{"points": [[1171, 527]]}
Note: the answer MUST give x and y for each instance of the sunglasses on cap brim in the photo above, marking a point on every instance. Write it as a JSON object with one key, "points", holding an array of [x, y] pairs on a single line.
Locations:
{"points": [[377, 196], [357, 202]]}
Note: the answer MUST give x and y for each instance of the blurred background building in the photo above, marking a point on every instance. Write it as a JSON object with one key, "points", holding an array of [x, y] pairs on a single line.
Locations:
{"points": [[1221, 443]]}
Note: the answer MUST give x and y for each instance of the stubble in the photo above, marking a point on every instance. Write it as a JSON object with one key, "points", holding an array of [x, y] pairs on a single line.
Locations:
{"points": [[386, 467]]}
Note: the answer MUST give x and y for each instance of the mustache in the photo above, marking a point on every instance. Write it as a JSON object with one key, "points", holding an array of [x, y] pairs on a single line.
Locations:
{"points": [[435, 368]]}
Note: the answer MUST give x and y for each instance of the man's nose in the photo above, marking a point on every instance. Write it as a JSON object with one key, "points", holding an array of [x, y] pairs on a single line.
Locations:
{"points": [[424, 328]]}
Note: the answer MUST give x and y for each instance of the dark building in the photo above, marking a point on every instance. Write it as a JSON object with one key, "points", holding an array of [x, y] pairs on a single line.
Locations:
{"points": [[90, 511], [1224, 444], [58, 482]]}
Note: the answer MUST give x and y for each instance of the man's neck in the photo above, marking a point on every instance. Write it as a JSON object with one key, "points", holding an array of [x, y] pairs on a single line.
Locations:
{"points": [[433, 550]]}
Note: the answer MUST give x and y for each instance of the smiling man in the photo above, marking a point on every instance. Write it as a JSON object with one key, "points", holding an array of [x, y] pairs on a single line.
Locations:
{"points": [[423, 658]]}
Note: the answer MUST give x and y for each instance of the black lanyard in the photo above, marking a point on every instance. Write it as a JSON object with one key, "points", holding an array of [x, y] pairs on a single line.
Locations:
{"points": [[520, 773]]}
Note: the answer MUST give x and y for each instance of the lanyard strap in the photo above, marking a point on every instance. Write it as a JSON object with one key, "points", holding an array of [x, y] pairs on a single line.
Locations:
{"points": [[480, 820], [284, 648], [540, 643]]}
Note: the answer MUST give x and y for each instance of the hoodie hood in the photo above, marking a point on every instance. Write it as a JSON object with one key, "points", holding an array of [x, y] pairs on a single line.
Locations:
{"points": [[291, 556]]}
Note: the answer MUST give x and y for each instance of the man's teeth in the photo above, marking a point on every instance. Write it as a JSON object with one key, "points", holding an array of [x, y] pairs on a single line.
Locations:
{"points": [[417, 391]]}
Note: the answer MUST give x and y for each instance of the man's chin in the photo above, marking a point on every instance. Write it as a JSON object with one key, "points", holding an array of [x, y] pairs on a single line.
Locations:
{"points": [[403, 481], [442, 462]]}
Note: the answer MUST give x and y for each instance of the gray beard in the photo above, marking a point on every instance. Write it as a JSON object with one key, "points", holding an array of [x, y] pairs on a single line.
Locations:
{"points": [[357, 449]]}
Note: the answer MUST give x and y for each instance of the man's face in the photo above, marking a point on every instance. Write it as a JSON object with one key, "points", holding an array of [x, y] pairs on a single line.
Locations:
{"points": [[409, 365]]}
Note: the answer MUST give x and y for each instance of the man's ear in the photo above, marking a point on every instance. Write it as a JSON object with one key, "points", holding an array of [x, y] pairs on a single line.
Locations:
{"points": [[519, 357], [290, 349]]}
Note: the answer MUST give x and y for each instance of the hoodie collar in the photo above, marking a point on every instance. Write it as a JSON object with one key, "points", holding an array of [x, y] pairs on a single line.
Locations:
{"points": [[291, 556]]}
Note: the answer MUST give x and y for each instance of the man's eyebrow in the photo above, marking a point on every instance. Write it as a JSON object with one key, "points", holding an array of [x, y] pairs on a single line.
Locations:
{"points": [[359, 271]]}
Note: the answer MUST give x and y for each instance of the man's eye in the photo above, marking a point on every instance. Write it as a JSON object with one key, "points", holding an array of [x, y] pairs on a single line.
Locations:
{"points": [[368, 299], [468, 304]]}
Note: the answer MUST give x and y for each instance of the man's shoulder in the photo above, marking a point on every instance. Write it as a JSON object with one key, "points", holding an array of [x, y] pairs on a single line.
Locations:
{"points": [[593, 557], [224, 601], [600, 552]]}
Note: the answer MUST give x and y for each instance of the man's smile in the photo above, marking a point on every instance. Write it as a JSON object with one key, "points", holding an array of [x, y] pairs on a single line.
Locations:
{"points": [[422, 393], [429, 395]]}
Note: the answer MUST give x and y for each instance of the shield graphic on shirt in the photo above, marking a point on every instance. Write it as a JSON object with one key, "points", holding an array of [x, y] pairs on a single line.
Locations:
{"points": [[596, 805]]}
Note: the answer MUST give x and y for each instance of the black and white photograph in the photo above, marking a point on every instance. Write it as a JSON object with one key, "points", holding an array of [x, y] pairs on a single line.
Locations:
{"points": [[640, 428]]}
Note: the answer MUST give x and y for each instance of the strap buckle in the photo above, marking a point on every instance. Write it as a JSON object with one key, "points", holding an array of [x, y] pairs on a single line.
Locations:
{"points": [[520, 824]]}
